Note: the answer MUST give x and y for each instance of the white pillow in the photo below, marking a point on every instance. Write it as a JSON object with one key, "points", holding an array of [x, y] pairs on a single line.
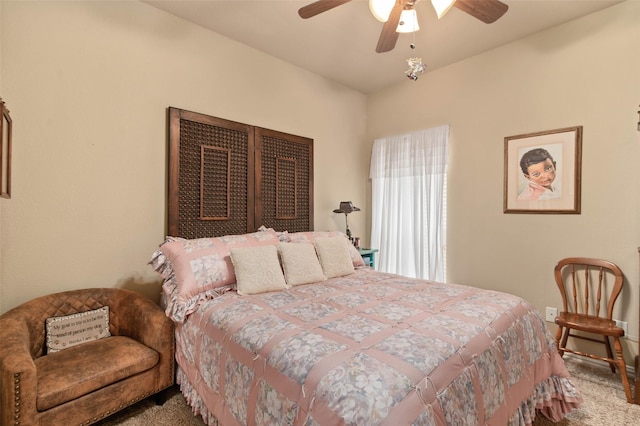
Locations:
{"points": [[333, 253], [310, 236], [300, 263], [70, 330], [257, 269]]}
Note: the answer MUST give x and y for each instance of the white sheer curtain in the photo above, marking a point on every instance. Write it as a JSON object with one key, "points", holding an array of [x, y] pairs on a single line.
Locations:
{"points": [[409, 194]]}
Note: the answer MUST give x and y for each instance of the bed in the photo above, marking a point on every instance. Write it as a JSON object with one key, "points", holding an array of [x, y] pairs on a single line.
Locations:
{"points": [[291, 328]]}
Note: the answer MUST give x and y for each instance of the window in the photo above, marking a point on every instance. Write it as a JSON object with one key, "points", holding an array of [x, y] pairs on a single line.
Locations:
{"points": [[409, 193]]}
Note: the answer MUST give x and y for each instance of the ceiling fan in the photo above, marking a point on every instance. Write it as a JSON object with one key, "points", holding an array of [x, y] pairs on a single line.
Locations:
{"points": [[487, 11]]}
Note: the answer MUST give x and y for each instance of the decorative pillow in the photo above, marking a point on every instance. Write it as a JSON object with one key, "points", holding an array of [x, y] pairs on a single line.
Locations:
{"points": [[300, 263], [257, 269], [310, 236], [333, 253], [70, 330], [195, 269]]}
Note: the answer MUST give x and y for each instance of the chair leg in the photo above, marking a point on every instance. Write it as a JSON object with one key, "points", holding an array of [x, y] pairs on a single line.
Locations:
{"points": [[561, 344], [637, 380], [607, 344], [623, 369], [558, 336]]}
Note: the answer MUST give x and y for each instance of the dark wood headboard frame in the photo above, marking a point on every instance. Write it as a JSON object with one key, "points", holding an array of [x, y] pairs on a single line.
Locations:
{"points": [[228, 178]]}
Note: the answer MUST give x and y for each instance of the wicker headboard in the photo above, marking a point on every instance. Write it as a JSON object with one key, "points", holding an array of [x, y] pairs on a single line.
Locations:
{"points": [[230, 178]]}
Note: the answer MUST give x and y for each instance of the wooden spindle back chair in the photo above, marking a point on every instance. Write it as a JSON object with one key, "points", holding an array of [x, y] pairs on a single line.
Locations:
{"points": [[589, 289]]}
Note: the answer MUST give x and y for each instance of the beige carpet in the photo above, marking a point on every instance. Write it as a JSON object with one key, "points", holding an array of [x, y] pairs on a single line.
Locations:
{"points": [[604, 404]]}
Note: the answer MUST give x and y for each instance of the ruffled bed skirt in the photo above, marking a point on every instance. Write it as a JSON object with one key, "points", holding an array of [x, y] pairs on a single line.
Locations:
{"points": [[193, 399], [553, 398]]}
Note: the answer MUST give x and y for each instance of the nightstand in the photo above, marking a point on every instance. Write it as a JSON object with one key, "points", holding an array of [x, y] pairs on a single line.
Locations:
{"points": [[369, 256]]}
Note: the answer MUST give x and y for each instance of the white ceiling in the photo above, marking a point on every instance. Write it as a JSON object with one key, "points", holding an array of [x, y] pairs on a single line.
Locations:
{"points": [[340, 43]]}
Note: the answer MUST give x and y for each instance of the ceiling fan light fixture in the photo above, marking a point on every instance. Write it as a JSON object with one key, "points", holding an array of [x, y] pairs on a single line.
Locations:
{"points": [[408, 21], [391, 13], [381, 9], [442, 6]]}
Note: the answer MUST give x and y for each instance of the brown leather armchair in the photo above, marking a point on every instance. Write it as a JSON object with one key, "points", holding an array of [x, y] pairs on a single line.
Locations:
{"points": [[85, 383]]}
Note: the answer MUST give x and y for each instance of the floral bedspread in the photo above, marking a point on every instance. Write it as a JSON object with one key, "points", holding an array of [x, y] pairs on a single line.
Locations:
{"points": [[371, 348]]}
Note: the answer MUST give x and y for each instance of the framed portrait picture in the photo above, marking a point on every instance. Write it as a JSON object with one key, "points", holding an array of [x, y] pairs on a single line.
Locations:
{"points": [[5, 152], [542, 172]]}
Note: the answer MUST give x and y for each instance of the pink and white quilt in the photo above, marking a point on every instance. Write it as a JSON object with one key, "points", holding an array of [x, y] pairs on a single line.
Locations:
{"points": [[371, 348]]}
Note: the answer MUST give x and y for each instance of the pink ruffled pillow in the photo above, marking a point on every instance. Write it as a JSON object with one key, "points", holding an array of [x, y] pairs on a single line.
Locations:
{"points": [[196, 269]]}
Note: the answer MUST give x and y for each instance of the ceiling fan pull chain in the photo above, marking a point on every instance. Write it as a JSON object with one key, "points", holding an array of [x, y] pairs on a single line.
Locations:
{"points": [[413, 43]]}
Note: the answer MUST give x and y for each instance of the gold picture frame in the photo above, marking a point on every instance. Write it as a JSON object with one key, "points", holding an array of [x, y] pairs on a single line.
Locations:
{"points": [[542, 172], [5, 152]]}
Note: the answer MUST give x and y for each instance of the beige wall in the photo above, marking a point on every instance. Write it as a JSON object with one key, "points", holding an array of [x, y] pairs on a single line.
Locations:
{"points": [[88, 85], [582, 73]]}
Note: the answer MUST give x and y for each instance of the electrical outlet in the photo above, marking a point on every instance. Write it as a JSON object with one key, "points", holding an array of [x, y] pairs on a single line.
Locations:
{"points": [[622, 325], [552, 313]]}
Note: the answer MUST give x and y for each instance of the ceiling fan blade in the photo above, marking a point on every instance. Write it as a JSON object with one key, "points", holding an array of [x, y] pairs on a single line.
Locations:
{"points": [[318, 7], [389, 36], [487, 11]]}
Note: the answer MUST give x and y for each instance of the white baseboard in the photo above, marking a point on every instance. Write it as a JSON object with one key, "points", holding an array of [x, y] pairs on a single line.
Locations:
{"points": [[596, 364]]}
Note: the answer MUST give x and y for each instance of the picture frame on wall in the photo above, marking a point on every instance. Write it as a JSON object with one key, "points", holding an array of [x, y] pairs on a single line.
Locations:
{"points": [[5, 152], [542, 172]]}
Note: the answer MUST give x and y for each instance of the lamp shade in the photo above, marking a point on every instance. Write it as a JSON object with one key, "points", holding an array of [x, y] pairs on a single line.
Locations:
{"points": [[442, 6], [408, 21], [381, 9], [346, 207]]}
